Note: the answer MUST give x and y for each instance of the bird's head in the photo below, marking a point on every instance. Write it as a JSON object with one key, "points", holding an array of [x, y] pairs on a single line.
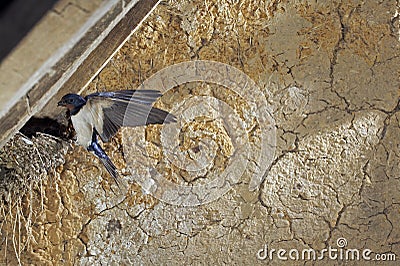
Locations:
{"points": [[73, 102]]}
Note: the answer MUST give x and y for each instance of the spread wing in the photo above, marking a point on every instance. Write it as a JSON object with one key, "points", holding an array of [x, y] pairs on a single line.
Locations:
{"points": [[130, 108]]}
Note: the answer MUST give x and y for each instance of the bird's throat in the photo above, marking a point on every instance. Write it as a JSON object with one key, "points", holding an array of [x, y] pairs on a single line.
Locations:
{"points": [[73, 110]]}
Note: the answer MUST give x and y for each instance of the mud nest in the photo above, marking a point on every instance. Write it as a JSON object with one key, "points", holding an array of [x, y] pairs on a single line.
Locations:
{"points": [[25, 164]]}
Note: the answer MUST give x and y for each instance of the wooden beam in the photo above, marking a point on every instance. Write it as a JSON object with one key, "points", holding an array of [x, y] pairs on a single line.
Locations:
{"points": [[78, 65]]}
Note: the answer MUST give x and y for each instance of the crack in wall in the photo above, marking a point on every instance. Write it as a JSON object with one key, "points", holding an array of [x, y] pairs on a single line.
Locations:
{"points": [[335, 172]]}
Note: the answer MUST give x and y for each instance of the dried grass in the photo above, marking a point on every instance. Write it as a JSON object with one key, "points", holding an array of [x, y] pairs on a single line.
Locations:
{"points": [[25, 165]]}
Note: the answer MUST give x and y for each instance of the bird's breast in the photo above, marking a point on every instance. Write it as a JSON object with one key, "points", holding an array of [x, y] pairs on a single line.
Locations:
{"points": [[83, 125]]}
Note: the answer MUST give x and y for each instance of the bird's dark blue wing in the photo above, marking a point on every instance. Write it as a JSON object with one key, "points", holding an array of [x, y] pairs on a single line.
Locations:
{"points": [[130, 108], [145, 97]]}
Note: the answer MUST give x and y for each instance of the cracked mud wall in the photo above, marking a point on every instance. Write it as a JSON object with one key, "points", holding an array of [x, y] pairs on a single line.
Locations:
{"points": [[330, 73]]}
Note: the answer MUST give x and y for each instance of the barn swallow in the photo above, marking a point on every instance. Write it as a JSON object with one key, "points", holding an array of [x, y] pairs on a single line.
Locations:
{"points": [[103, 113]]}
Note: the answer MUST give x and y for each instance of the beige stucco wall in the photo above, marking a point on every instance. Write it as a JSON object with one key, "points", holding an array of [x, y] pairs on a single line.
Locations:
{"points": [[329, 74]]}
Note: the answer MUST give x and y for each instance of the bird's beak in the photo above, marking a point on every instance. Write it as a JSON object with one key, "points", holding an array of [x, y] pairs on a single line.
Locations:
{"points": [[61, 103]]}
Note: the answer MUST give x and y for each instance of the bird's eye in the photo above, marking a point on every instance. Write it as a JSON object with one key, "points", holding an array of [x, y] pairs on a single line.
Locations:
{"points": [[70, 101]]}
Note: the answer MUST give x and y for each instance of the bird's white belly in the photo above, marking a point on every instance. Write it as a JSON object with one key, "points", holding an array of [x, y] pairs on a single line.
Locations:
{"points": [[83, 126]]}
